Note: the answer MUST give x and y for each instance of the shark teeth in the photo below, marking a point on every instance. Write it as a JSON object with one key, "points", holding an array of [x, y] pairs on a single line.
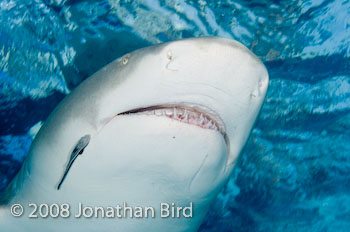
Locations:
{"points": [[182, 114]]}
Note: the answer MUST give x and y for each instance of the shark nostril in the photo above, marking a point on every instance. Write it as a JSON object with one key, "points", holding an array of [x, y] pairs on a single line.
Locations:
{"points": [[256, 91], [263, 82], [259, 90], [260, 84], [169, 55]]}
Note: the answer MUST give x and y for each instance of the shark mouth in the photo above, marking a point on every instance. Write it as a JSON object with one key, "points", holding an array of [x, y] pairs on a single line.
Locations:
{"points": [[194, 115], [185, 114]]}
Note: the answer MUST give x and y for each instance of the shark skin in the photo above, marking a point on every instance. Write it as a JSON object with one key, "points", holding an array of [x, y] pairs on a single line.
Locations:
{"points": [[161, 126]]}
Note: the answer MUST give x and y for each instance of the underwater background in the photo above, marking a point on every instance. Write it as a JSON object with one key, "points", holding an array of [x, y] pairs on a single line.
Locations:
{"points": [[294, 172]]}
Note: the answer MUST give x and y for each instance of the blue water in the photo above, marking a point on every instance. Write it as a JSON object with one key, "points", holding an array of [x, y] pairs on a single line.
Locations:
{"points": [[294, 173]]}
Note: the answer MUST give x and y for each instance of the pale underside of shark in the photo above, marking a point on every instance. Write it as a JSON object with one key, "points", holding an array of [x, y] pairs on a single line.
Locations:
{"points": [[163, 124]]}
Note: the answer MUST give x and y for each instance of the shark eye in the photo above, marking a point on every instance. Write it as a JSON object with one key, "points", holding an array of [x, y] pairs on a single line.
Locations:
{"points": [[125, 60]]}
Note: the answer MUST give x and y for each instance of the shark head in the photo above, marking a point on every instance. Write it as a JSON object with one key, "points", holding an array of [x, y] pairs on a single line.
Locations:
{"points": [[165, 123]]}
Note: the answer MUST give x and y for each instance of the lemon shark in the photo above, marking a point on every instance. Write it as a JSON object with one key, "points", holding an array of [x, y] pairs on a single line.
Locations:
{"points": [[163, 124]]}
